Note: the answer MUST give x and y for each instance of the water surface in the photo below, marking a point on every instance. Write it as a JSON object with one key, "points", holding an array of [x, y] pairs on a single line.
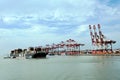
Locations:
{"points": [[61, 68]]}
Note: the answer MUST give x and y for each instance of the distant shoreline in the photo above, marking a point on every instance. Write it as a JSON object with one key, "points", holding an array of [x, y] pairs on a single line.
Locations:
{"points": [[99, 54], [83, 55]]}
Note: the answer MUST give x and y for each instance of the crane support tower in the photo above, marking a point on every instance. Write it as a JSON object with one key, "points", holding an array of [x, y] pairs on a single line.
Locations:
{"points": [[100, 43]]}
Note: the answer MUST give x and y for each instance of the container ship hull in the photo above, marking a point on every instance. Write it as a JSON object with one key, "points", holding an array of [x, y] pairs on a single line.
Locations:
{"points": [[36, 55]]}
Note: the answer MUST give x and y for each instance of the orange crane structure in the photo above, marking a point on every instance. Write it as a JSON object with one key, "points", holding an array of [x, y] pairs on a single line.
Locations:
{"points": [[101, 44], [68, 47]]}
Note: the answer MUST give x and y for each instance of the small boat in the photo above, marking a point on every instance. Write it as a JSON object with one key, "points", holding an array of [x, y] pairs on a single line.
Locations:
{"points": [[7, 57]]}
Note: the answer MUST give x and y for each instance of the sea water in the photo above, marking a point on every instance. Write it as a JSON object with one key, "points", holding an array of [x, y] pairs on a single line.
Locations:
{"points": [[61, 68]]}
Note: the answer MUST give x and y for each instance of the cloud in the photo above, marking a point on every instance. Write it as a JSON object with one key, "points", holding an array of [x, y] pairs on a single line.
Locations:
{"points": [[82, 28], [106, 13], [59, 10], [37, 22], [8, 20]]}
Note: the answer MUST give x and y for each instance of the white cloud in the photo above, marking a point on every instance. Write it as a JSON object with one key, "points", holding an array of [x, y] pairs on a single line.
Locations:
{"points": [[9, 19], [53, 20], [79, 30], [59, 9], [82, 28], [106, 13], [23, 38]]}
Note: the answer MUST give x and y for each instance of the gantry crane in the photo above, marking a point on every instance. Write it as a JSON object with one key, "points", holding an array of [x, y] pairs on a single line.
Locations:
{"points": [[99, 41]]}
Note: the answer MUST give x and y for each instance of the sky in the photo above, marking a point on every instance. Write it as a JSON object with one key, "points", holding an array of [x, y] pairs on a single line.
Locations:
{"points": [[26, 23]]}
